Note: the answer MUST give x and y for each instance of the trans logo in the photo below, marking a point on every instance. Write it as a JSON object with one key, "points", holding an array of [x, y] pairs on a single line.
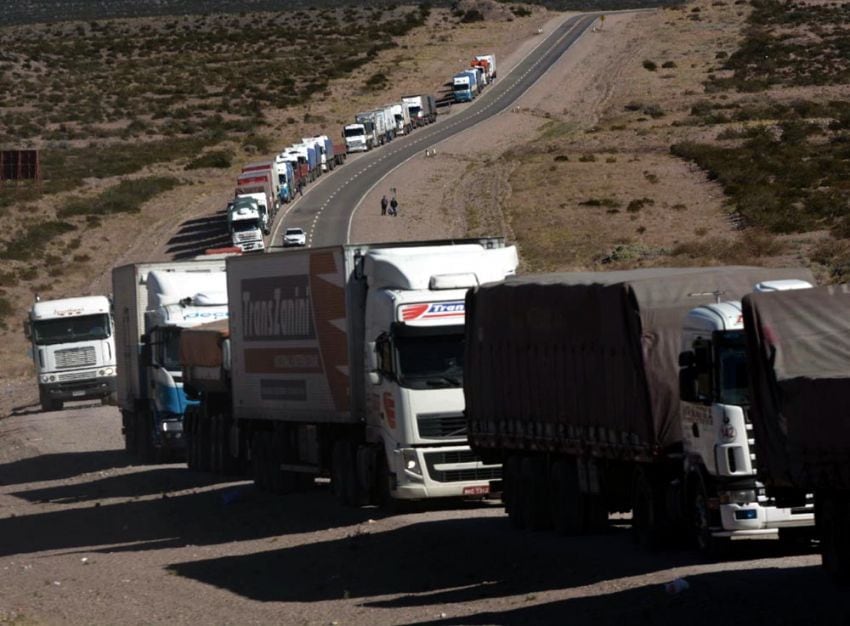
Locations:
{"points": [[432, 310]]}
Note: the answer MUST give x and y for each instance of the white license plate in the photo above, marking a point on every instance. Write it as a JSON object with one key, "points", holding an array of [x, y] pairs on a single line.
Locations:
{"points": [[78, 393]]}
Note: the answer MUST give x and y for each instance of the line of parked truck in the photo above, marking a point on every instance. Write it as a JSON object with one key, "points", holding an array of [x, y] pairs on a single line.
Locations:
{"points": [[376, 127], [710, 401], [261, 188], [470, 82]]}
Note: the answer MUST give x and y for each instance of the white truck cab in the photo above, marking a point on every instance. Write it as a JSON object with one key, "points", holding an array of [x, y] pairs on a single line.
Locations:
{"points": [[415, 332], [246, 223], [718, 436], [73, 350]]}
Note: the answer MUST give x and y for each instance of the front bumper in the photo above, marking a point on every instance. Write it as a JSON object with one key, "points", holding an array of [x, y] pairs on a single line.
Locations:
{"points": [[251, 246], [445, 472], [752, 520], [83, 389]]}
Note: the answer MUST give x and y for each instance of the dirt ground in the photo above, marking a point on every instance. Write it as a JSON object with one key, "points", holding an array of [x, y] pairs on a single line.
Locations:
{"points": [[88, 537]]}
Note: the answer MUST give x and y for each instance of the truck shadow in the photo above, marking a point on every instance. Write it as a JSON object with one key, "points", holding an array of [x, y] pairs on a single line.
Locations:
{"points": [[125, 485], [442, 562], [757, 595], [61, 465], [200, 516], [195, 236]]}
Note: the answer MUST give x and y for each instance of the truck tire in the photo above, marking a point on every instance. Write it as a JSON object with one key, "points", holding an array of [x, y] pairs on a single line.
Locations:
{"points": [[344, 474], [258, 461], [48, 404], [832, 516], [535, 493], [645, 511], [189, 437], [144, 430], [702, 519], [567, 507], [129, 427], [512, 490]]}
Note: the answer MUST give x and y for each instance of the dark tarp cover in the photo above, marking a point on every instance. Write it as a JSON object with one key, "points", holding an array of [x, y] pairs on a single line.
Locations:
{"points": [[798, 346], [590, 357]]}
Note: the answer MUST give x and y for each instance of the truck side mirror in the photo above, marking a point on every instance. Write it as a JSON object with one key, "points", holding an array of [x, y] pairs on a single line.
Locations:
{"points": [[27, 329], [372, 363], [687, 384], [686, 358]]}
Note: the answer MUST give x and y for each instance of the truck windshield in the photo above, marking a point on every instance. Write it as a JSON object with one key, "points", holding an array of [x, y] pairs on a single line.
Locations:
{"points": [[732, 376], [68, 329], [430, 358], [461, 87], [241, 226], [166, 342], [354, 132]]}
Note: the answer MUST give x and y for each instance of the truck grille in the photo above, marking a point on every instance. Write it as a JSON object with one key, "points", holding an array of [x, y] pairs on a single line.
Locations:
{"points": [[76, 376], [475, 472], [76, 357], [437, 425]]}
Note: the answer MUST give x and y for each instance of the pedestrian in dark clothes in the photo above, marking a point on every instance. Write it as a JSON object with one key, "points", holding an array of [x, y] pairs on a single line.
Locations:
{"points": [[393, 207], [384, 204], [301, 187]]}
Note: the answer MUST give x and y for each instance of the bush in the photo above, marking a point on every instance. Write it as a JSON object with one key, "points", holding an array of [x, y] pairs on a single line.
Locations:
{"points": [[126, 197], [473, 15], [217, 158], [649, 65], [32, 241]]}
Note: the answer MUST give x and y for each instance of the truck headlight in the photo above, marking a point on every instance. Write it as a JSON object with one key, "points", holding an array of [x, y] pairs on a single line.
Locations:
{"points": [[411, 461], [45, 378], [741, 496]]}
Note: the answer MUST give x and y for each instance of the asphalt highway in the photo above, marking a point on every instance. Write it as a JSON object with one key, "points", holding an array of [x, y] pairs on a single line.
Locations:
{"points": [[326, 210]]}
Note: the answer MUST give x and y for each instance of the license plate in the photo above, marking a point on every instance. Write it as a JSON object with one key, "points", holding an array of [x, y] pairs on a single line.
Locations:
{"points": [[78, 393], [480, 490]]}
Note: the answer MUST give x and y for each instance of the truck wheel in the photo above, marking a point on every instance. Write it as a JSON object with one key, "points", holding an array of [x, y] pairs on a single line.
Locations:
{"points": [[129, 428], [258, 461], [703, 519], [535, 493], [189, 437], [144, 432], [645, 518], [595, 512], [567, 508], [344, 473], [832, 516], [512, 491], [48, 404]]}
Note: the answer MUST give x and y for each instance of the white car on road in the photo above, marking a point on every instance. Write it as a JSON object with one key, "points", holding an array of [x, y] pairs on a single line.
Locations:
{"points": [[294, 237]]}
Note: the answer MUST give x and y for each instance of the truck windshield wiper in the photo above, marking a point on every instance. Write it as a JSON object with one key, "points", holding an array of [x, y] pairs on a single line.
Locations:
{"points": [[443, 381]]}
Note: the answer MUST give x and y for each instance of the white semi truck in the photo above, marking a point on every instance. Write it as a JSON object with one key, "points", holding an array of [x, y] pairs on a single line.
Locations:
{"points": [[73, 349], [717, 433], [246, 223], [153, 303], [345, 361]]}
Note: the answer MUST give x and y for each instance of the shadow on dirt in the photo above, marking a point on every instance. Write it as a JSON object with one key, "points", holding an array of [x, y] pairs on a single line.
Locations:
{"points": [[440, 563], [199, 516], [198, 235], [61, 465], [757, 595]]}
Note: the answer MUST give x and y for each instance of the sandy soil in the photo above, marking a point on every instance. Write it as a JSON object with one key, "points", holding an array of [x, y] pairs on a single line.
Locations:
{"points": [[88, 537]]}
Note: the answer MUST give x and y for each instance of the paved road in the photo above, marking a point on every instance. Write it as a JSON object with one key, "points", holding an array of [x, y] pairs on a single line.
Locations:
{"points": [[325, 212]]}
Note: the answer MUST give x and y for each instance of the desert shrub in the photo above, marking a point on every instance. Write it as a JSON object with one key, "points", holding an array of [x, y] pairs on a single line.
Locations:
{"points": [[6, 311], [649, 65], [126, 197], [611, 203], [561, 158], [668, 64], [472, 15], [587, 158], [31, 241], [638, 203], [217, 158]]}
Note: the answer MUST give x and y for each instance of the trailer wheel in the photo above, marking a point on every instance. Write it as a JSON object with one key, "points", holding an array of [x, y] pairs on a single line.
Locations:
{"points": [[567, 507], [832, 519], [513, 491], [48, 404], [189, 437], [534, 493], [342, 472]]}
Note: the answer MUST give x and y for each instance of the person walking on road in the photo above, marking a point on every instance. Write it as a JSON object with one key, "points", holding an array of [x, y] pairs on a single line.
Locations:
{"points": [[393, 207], [301, 187], [384, 204]]}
